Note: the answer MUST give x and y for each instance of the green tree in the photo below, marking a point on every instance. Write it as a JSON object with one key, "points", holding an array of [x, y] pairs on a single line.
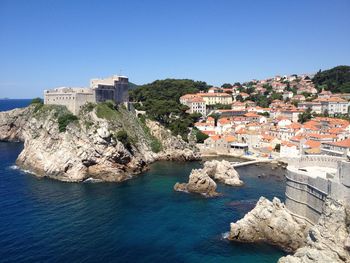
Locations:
{"points": [[305, 116], [336, 79], [226, 86]]}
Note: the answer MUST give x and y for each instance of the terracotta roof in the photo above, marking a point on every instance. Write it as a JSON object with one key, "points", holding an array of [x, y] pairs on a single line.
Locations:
{"points": [[241, 131], [230, 138], [288, 144], [214, 94], [251, 114], [209, 132], [196, 99], [344, 143], [313, 144]]}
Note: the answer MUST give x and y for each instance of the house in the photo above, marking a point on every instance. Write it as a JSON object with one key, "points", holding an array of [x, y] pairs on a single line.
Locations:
{"points": [[237, 105], [195, 103], [288, 150], [315, 106], [340, 148], [334, 105]]}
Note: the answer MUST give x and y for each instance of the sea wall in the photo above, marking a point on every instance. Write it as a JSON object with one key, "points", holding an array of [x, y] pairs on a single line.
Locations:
{"points": [[305, 195], [306, 192]]}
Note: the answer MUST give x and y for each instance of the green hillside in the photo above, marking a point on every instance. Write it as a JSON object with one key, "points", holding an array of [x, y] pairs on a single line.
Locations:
{"points": [[336, 79], [161, 100]]}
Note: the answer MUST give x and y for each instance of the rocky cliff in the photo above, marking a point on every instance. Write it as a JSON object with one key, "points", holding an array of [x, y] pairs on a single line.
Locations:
{"points": [[103, 143], [272, 223], [328, 240]]}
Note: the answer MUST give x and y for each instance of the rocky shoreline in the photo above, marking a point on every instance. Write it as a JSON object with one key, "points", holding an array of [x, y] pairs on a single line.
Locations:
{"points": [[270, 222], [89, 147]]}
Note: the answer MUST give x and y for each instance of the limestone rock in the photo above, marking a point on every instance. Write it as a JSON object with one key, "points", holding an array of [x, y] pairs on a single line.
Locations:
{"points": [[223, 172], [199, 182], [272, 223], [326, 241], [85, 151], [173, 147]]}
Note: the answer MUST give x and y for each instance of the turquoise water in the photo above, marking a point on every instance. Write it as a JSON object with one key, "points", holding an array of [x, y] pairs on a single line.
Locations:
{"points": [[141, 220]]}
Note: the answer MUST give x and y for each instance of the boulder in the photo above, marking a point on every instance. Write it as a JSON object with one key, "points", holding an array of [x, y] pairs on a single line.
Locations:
{"points": [[199, 182], [272, 223], [223, 171]]}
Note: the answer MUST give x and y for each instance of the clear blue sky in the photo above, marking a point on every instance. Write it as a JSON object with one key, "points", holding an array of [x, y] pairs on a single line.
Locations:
{"points": [[52, 43]]}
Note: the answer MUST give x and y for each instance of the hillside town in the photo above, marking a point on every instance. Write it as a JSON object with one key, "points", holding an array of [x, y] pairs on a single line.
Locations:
{"points": [[278, 117]]}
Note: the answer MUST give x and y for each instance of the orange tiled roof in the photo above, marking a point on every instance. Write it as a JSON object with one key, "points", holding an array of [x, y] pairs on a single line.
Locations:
{"points": [[313, 144], [344, 143], [230, 138]]}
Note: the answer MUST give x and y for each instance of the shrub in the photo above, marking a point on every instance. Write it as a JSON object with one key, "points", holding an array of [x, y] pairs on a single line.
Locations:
{"points": [[123, 137], [88, 107], [36, 100], [156, 145], [106, 110], [64, 120], [38, 104], [200, 136]]}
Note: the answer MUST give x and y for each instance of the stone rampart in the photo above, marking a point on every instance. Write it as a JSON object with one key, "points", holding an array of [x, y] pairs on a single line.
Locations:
{"points": [[306, 192]]}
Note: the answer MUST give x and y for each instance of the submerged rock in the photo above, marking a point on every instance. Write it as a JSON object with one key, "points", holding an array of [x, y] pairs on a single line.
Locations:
{"points": [[199, 182], [223, 171], [272, 223]]}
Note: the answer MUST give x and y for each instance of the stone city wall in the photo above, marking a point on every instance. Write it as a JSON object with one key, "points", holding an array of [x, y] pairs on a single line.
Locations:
{"points": [[305, 194]]}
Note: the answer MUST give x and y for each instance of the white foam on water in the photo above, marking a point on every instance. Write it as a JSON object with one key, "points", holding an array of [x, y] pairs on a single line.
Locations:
{"points": [[14, 167], [92, 180], [225, 235]]}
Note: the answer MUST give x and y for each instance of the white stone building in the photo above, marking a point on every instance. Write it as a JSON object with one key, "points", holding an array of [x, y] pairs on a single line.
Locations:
{"points": [[114, 88]]}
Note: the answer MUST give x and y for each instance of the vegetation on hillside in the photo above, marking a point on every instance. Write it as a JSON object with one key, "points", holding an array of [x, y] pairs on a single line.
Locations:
{"points": [[106, 110], [38, 104], [161, 101], [336, 79], [64, 120]]}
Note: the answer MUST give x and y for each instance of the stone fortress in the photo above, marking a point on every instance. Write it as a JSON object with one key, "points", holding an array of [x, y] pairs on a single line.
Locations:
{"points": [[313, 178], [113, 88]]}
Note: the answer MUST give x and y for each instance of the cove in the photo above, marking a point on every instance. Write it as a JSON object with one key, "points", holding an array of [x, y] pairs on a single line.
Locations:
{"points": [[140, 220]]}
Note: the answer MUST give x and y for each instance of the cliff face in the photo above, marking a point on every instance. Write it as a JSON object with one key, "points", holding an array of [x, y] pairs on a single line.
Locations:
{"points": [[89, 147]]}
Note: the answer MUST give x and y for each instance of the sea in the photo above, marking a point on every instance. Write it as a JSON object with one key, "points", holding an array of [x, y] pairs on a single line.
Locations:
{"points": [[140, 220]]}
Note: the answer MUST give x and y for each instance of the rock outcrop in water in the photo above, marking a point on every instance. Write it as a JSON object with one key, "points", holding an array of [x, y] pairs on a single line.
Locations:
{"points": [[222, 171], [199, 182], [328, 240], [272, 223], [89, 147]]}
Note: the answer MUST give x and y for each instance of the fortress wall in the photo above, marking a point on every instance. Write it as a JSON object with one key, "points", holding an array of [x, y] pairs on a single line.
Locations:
{"points": [[305, 195], [344, 173], [316, 160], [81, 99]]}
